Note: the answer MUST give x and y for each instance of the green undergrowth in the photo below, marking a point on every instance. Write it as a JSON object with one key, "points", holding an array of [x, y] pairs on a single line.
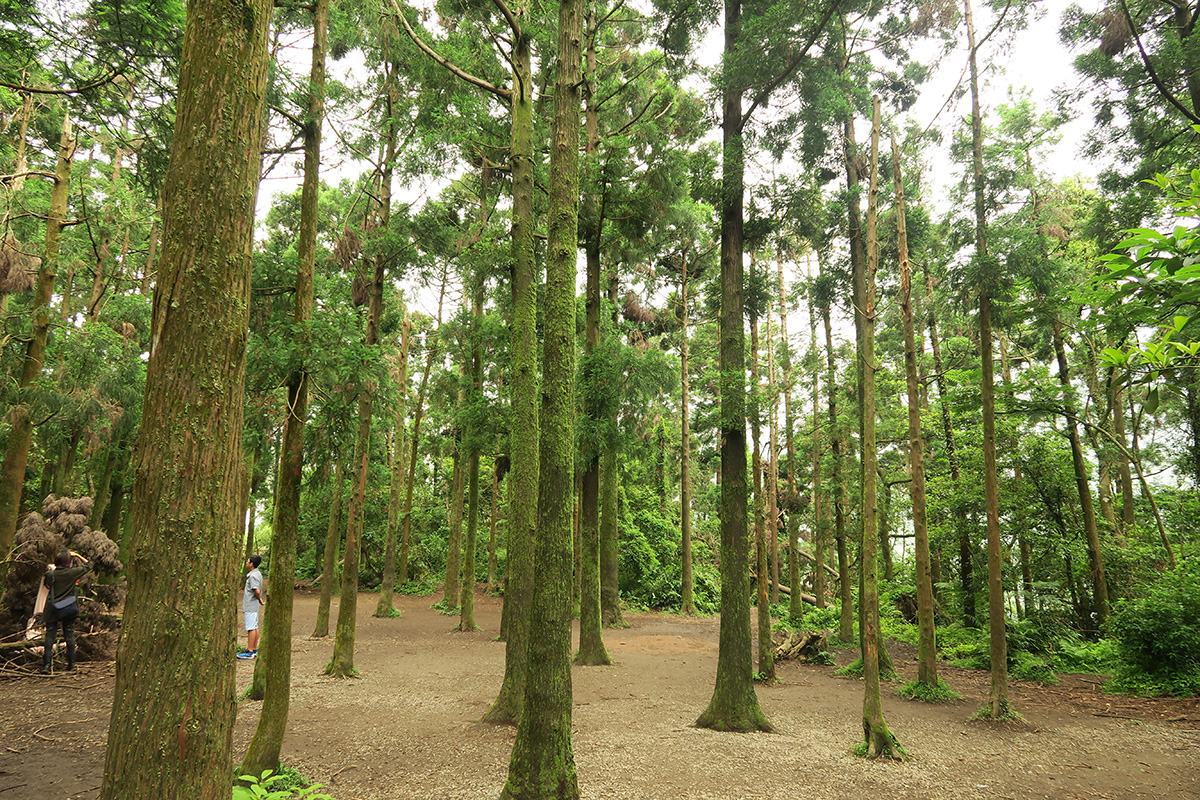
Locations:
{"points": [[421, 587], [444, 608], [894, 752], [286, 784], [1155, 684], [390, 613], [1007, 714], [939, 692]]}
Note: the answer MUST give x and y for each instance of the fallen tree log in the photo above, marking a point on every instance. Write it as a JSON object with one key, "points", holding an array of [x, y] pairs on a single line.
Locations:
{"points": [[803, 644]]}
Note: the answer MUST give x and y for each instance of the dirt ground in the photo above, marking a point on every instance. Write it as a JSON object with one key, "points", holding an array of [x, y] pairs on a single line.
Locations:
{"points": [[409, 727]]}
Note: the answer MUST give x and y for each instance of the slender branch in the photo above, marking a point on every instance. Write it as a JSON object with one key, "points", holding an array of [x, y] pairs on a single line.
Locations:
{"points": [[763, 94], [11, 178], [506, 12], [1158, 84], [451, 66], [77, 90], [637, 117], [292, 118]]}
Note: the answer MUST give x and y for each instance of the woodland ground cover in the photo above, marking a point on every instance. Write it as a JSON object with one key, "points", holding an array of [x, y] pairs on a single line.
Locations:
{"points": [[410, 727], [664, 371]]}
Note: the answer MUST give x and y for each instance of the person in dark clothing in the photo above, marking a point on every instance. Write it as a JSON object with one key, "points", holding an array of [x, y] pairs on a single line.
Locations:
{"points": [[61, 578]]}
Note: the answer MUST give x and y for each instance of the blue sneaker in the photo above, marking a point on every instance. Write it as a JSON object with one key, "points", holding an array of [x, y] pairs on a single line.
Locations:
{"points": [[247, 654]]}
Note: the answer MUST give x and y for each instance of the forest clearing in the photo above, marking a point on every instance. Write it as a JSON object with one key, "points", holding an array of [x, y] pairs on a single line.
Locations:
{"points": [[796, 318], [409, 727]]}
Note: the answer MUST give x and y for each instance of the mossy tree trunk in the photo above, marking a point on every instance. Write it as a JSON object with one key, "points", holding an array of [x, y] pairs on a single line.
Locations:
{"points": [[542, 765], [174, 705], [610, 527], [926, 641], [333, 541], [766, 653], [772, 477], [341, 665], [16, 454], [523, 477], [795, 602], [452, 586], [402, 575], [1090, 528], [276, 665], [879, 739], [688, 597], [385, 607], [734, 705], [591, 636], [466, 604], [998, 706]]}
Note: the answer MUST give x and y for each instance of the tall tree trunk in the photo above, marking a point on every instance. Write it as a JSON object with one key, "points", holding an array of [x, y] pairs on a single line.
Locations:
{"points": [[333, 540], [1117, 405], [396, 451], [820, 535], [341, 665], [263, 753], [766, 651], [610, 598], [773, 466], [998, 706], [16, 455], [418, 415], [1090, 529], [452, 588], [493, 520], [591, 637], [688, 596], [845, 595], [795, 602], [926, 643], [965, 546], [610, 529], [878, 738], [466, 603], [523, 477], [542, 764], [734, 705], [172, 715]]}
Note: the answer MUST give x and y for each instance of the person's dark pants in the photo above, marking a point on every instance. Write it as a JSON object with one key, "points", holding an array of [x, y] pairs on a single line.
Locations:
{"points": [[68, 626]]}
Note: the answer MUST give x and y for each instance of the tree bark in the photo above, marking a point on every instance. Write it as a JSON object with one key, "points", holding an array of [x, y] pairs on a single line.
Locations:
{"points": [[172, 716], [16, 454], [734, 705], [688, 596], [333, 541], [926, 641], [591, 637], [542, 765], [998, 706], [766, 651], [263, 753], [341, 665], [385, 607], [466, 603], [878, 738], [1090, 529], [523, 477]]}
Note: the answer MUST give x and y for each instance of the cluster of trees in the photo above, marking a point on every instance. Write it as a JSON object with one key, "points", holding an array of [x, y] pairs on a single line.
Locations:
{"points": [[210, 389]]}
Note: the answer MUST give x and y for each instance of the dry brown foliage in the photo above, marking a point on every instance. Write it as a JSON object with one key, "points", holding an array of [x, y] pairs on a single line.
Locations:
{"points": [[17, 270]]}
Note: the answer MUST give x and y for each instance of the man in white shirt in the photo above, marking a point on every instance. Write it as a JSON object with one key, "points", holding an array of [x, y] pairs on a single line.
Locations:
{"points": [[252, 600]]}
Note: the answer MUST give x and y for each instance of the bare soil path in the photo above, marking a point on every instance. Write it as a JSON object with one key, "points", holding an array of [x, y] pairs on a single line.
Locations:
{"points": [[408, 728]]}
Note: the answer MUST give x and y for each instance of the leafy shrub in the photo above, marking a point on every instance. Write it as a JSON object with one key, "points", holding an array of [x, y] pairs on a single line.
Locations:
{"points": [[283, 785], [970, 648], [1158, 635]]}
